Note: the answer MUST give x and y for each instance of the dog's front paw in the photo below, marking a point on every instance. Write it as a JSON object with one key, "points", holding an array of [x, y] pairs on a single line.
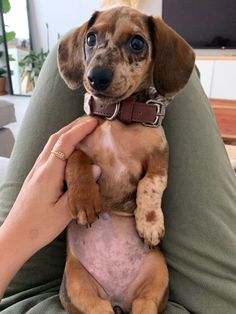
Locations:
{"points": [[85, 206], [150, 225]]}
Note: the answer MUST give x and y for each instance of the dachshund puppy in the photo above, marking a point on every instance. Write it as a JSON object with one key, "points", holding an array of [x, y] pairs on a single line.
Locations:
{"points": [[125, 60]]}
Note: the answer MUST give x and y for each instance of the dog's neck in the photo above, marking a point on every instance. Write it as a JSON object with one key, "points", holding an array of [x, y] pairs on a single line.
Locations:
{"points": [[146, 107], [144, 95]]}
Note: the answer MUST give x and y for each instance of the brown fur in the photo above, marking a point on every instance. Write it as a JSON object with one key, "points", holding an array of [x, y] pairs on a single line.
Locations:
{"points": [[79, 194], [173, 57], [86, 288], [133, 158], [151, 216]]}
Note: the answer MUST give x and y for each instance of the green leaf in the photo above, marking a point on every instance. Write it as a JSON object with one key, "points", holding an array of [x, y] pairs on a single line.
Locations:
{"points": [[32, 63], [2, 71], [6, 7], [10, 36], [10, 58]]}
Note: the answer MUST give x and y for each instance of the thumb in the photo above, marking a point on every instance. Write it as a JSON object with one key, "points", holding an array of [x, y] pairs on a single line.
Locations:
{"points": [[63, 214]]}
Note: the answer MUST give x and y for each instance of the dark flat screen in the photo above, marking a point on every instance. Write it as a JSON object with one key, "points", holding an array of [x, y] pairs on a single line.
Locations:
{"points": [[203, 23]]}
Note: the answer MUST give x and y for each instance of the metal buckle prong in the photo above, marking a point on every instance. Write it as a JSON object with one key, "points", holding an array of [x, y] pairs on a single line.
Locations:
{"points": [[160, 114], [117, 109]]}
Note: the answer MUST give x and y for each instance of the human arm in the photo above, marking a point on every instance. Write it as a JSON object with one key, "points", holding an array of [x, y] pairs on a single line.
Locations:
{"points": [[40, 212]]}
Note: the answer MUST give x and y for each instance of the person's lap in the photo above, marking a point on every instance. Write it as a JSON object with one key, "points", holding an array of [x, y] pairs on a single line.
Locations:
{"points": [[199, 203]]}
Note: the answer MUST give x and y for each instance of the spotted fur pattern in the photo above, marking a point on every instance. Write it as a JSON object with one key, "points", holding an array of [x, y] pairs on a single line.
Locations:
{"points": [[133, 158]]}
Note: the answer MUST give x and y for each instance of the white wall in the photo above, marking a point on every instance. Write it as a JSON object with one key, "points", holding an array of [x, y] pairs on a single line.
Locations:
{"points": [[151, 7], [63, 15]]}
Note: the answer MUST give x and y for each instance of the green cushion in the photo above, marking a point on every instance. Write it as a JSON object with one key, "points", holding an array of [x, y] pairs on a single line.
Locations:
{"points": [[199, 207], [199, 203]]}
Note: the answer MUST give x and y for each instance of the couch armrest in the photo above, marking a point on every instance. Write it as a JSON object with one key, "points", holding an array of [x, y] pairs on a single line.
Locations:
{"points": [[7, 141], [3, 168], [7, 113]]}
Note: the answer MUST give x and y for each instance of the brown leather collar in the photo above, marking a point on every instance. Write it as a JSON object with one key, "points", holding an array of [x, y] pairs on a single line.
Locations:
{"points": [[149, 114]]}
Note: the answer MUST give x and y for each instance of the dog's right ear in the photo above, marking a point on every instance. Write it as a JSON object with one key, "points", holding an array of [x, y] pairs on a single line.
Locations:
{"points": [[173, 58], [70, 57]]}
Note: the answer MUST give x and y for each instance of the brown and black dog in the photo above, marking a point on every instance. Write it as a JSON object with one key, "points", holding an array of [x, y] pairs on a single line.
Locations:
{"points": [[118, 55]]}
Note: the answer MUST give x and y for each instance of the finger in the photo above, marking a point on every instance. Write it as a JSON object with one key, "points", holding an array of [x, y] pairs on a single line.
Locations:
{"points": [[80, 128], [62, 215], [43, 156], [68, 140], [56, 136], [63, 206]]}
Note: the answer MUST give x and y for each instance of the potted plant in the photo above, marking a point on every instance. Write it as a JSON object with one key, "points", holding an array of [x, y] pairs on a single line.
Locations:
{"points": [[2, 78], [31, 66], [9, 36], [2, 82]]}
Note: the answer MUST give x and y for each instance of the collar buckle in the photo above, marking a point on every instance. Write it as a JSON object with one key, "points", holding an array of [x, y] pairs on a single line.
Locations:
{"points": [[160, 113], [116, 112]]}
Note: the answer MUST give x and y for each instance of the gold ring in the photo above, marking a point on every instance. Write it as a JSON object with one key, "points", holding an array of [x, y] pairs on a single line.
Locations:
{"points": [[58, 154]]}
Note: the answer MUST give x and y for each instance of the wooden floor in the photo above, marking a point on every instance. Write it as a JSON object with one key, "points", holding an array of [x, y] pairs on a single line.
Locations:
{"points": [[225, 113]]}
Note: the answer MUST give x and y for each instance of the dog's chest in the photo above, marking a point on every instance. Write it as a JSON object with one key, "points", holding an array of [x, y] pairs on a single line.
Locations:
{"points": [[109, 148], [109, 145], [117, 147]]}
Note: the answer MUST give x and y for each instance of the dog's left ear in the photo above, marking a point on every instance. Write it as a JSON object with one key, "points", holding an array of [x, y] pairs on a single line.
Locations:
{"points": [[70, 57], [173, 58]]}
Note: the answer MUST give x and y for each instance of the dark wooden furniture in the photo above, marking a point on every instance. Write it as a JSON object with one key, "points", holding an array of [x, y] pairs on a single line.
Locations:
{"points": [[225, 113]]}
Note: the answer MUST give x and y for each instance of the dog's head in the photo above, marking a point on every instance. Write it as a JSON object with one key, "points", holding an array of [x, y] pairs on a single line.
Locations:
{"points": [[121, 51]]}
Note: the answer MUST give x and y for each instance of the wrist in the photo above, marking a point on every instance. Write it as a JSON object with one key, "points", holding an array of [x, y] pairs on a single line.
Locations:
{"points": [[14, 253]]}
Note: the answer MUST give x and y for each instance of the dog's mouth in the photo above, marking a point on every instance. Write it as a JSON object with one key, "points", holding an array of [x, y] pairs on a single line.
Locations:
{"points": [[110, 99]]}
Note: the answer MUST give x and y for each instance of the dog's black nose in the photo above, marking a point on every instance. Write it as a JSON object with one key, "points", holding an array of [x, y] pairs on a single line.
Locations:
{"points": [[100, 78]]}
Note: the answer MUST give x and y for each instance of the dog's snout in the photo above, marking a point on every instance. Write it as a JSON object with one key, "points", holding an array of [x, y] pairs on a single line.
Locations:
{"points": [[100, 78]]}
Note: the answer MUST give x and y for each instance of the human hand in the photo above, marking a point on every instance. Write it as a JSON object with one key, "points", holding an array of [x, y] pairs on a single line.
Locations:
{"points": [[41, 212]]}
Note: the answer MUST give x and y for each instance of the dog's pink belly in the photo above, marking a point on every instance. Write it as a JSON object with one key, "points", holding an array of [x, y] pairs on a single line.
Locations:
{"points": [[112, 253]]}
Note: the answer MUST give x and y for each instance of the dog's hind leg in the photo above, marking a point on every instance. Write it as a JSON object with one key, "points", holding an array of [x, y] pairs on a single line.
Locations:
{"points": [[151, 286], [79, 293]]}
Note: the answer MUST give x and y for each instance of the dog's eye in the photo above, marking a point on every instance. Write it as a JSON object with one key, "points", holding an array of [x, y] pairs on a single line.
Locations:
{"points": [[137, 43], [91, 40]]}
